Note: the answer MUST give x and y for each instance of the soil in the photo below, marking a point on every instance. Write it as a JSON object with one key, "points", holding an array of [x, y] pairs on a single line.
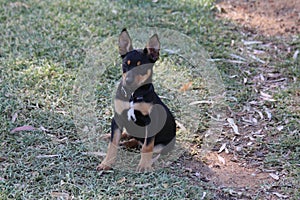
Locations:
{"points": [[267, 17], [270, 18], [223, 170]]}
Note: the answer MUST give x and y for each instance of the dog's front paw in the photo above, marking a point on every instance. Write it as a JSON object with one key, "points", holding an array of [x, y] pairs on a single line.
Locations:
{"points": [[103, 166], [144, 165]]}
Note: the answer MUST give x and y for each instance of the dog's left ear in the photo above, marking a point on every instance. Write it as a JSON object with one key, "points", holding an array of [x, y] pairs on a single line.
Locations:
{"points": [[153, 47]]}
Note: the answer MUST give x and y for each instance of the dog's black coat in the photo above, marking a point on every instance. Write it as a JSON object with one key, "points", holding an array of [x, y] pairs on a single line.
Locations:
{"points": [[140, 62], [138, 108], [146, 94]]}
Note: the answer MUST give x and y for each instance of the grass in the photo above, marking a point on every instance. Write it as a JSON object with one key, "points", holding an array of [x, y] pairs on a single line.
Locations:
{"points": [[43, 49], [44, 46]]}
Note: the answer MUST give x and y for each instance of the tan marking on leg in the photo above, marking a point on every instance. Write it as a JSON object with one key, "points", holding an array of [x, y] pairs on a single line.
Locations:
{"points": [[120, 106], [145, 163], [144, 108], [111, 154]]}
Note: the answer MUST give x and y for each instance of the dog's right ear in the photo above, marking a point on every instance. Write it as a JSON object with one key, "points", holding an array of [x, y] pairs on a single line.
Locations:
{"points": [[153, 47], [125, 43]]}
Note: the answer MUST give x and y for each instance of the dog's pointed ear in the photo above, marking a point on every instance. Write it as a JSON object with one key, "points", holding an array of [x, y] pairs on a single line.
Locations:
{"points": [[153, 47], [125, 43]]}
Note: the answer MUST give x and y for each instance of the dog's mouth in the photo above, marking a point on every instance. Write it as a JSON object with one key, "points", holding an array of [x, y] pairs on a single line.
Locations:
{"points": [[130, 88], [128, 81]]}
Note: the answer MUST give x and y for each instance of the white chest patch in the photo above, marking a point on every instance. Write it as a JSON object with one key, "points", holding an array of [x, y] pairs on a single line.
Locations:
{"points": [[130, 113]]}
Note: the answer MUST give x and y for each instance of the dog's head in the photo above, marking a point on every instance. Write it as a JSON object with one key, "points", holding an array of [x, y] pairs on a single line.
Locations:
{"points": [[137, 64]]}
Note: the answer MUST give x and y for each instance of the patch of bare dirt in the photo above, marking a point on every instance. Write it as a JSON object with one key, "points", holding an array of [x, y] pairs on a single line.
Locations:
{"points": [[223, 170], [230, 173], [268, 17]]}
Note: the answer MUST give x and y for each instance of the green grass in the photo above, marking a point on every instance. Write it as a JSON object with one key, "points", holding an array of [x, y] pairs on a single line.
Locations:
{"points": [[43, 48]]}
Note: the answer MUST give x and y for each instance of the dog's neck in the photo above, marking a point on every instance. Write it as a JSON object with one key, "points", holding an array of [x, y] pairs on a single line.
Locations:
{"points": [[137, 95]]}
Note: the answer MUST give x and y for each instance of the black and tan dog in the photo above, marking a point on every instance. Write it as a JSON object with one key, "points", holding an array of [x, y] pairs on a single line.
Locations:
{"points": [[137, 108]]}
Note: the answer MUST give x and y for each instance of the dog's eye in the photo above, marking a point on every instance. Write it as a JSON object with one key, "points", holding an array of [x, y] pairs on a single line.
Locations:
{"points": [[138, 63], [128, 62]]}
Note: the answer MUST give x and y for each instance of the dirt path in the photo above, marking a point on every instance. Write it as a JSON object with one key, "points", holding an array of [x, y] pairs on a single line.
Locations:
{"points": [[268, 17]]}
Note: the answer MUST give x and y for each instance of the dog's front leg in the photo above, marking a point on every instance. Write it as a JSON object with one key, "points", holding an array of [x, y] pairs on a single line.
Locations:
{"points": [[145, 163], [111, 154]]}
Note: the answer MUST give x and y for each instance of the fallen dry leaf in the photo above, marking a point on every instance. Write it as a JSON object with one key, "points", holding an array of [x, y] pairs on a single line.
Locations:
{"points": [[238, 148], [251, 42], [256, 58], [268, 112], [266, 97], [101, 154], [114, 11], [60, 195], [274, 176], [222, 148], [14, 117], [282, 196], [143, 185], [186, 86], [44, 129], [122, 180], [221, 159], [48, 156], [274, 75], [249, 143], [203, 195], [279, 128], [23, 128], [19, 4], [200, 102], [233, 126], [260, 113], [295, 56], [181, 126]]}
